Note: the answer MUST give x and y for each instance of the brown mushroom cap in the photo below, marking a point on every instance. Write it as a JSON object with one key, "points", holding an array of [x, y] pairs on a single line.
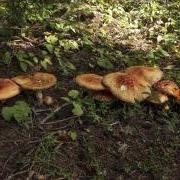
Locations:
{"points": [[90, 81], [168, 87], [104, 95], [8, 89], [150, 74], [157, 97], [36, 81], [125, 87]]}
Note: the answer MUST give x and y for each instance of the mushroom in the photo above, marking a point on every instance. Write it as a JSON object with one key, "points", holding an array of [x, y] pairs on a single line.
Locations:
{"points": [[178, 97], [8, 89], [157, 97], [125, 87], [150, 74], [93, 82], [36, 82], [168, 87], [166, 107], [48, 100], [104, 95], [90, 81]]}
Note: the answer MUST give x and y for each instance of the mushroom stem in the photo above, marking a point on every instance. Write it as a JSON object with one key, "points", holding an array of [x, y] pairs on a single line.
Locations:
{"points": [[39, 96]]}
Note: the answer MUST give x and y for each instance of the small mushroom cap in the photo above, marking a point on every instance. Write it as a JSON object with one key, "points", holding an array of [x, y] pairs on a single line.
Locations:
{"points": [[150, 74], [168, 87], [8, 89], [104, 95], [36, 81], [90, 81], [166, 107], [157, 97], [125, 87]]}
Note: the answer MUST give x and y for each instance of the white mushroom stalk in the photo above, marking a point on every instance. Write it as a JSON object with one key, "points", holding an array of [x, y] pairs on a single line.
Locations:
{"points": [[39, 96]]}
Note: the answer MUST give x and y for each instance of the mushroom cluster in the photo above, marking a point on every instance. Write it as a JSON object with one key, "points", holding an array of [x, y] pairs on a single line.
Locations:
{"points": [[35, 82], [135, 84]]}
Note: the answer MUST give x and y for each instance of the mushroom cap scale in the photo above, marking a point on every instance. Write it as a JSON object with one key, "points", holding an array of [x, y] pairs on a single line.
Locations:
{"points": [[90, 81], [125, 87], [150, 74], [168, 87], [8, 89], [36, 81]]}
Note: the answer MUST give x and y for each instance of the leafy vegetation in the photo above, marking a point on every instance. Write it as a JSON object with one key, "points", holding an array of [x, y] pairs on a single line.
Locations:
{"points": [[20, 112], [88, 139]]}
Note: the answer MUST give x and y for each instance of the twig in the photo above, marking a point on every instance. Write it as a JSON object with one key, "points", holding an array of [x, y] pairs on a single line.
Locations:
{"points": [[61, 120], [53, 113], [16, 174]]}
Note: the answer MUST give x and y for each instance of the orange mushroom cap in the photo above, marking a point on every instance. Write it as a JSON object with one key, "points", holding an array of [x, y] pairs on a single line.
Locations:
{"points": [[8, 89], [36, 81], [151, 75], [168, 87], [125, 87], [90, 81]]}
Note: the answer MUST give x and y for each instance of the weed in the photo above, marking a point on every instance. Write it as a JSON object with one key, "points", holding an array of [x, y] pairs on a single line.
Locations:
{"points": [[20, 112]]}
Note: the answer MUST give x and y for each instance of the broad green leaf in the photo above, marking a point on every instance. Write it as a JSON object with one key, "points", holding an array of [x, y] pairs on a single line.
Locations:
{"points": [[23, 66], [77, 110], [7, 113], [104, 63], [7, 58], [46, 62], [73, 135], [52, 39], [20, 112], [49, 47], [73, 93]]}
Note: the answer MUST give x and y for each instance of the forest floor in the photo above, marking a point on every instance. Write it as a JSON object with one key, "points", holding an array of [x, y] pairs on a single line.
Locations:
{"points": [[87, 139]]}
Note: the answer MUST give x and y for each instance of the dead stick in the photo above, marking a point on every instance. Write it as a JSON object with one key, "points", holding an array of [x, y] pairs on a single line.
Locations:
{"points": [[53, 113]]}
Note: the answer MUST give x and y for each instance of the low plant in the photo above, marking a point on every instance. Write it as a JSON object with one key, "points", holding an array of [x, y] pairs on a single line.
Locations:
{"points": [[20, 112]]}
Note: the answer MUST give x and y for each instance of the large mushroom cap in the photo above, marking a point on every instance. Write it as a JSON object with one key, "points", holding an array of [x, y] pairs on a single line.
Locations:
{"points": [[125, 87], [168, 87], [36, 81], [150, 74], [157, 97], [90, 81], [104, 95], [8, 89]]}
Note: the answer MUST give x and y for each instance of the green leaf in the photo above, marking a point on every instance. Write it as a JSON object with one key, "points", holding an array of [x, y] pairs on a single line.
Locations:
{"points": [[73, 135], [52, 39], [77, 110], [49, 47], [20, 112], [46, 61], [163, 52], [7, 58], [73, 93], [104, 63], [23, 66], [66, 99], [69, 44], [70, 66], [7, 113]]}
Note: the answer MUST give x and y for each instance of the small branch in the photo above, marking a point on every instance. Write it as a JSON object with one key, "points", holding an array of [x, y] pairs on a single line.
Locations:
{"points": [[61, 120], [53, 113], [16, 174]]}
